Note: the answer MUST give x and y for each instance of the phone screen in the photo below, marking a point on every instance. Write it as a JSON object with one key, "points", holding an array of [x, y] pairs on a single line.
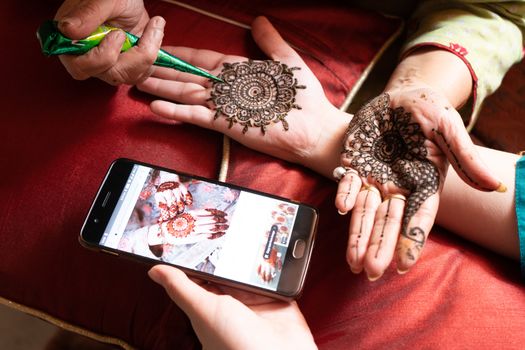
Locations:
{"points": [[203, 226]]}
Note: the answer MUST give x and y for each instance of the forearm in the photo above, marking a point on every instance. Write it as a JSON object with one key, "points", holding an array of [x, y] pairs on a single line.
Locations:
{"points": [[486, 218], [439, 69], [326, 155]]}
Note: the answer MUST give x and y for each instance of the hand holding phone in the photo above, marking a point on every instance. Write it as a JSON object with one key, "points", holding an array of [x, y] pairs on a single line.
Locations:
{"points": [[215, 231], [252, 321]]}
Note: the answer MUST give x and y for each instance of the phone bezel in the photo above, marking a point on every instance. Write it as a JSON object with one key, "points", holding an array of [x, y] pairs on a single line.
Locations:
{"points": [[294, 270]]}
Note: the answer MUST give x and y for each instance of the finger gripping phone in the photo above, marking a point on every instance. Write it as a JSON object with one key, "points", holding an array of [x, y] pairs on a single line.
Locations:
{"points": [[212, 230]]}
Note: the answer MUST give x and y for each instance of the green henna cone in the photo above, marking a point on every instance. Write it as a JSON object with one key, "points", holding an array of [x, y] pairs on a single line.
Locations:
{"points": [[54, 43]]}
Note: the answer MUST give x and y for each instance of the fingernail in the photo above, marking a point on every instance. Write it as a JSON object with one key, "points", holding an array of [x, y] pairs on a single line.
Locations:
{"points": [[342, 212], [356, 271], [153, 274], [160, 22], [402, 272], [374, 278], [116, 35], [501, 188], [69, 22]]}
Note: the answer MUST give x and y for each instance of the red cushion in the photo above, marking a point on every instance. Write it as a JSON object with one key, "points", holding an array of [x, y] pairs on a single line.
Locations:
{"points": [[60, 136]]}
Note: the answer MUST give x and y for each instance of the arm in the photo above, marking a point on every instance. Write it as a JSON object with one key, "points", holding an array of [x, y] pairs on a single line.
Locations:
{"points": [[486, 37], [455, 49], [486, 218]]}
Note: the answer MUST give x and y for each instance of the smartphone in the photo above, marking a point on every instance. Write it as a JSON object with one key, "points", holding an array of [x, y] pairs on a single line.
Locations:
{"points": [[212, 230]]}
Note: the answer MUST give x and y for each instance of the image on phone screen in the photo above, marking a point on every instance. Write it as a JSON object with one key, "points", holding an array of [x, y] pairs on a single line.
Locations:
{"points": [[203, 226]]}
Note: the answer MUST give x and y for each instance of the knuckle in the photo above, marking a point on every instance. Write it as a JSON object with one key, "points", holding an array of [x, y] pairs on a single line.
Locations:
{"points": [[88, 8]]}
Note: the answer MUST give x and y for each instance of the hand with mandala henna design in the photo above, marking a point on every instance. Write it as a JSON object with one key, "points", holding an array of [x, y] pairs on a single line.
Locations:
{"points": [[423, 94], [277, 107], [189, 227], [172, 196]]}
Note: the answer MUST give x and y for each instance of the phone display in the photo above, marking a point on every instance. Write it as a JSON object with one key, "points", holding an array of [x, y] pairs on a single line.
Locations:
{"points": [[216, 231]]}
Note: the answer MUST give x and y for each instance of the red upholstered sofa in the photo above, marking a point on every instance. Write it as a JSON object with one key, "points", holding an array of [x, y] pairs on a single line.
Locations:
{"points": [[60, 135]]}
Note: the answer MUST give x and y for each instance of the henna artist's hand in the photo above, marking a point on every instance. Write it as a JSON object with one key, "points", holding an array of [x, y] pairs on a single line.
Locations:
{"points": [[77, 19], [225, 318], [278, 108], [396, 159]]}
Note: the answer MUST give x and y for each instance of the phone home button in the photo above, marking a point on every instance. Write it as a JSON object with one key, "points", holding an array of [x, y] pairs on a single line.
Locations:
{"points": [[299, 248]]}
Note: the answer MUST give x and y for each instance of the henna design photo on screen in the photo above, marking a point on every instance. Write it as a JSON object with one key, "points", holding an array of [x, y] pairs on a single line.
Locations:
{"points": [[255, 94], [382, 143]]}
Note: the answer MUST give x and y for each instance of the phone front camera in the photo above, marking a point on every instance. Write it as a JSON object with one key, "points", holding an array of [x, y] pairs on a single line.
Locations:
{"points": [[95, 221]]}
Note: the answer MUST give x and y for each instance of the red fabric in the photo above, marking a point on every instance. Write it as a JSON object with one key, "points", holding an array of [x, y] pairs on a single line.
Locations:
{"points": [[60, 136]]}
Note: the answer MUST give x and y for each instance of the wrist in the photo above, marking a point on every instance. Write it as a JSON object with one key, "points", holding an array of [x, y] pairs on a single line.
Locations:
{"points": [[325, 154], [433, 68]]}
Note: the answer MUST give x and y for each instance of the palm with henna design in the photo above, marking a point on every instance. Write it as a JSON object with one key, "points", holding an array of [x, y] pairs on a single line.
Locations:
{"points": [[398, 151]]}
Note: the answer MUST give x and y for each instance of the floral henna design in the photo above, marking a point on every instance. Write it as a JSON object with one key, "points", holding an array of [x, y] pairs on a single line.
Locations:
{"points": [[181, 226], [255, 93], [383, 144]]}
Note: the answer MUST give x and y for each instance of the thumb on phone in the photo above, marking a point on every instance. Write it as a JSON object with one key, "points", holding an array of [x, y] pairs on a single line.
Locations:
{"points": [[189, 296]]}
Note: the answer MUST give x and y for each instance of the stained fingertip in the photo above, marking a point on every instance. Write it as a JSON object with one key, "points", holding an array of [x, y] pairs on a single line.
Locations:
{"points": [[342, 212], [408, 254], [401, 271], [501, 188]]}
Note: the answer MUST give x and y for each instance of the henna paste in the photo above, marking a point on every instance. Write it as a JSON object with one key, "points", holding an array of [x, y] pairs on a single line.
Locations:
{"points": [[181, 226], [383, 144], [255, 93], [383, 228]]}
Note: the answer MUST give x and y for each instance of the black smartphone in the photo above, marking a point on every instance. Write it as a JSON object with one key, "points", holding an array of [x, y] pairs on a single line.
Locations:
{"points": [[212, 230]]}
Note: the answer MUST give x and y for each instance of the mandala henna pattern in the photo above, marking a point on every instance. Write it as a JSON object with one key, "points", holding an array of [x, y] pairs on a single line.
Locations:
{"points": [[383, 144], [255, 93], [181, 226]]}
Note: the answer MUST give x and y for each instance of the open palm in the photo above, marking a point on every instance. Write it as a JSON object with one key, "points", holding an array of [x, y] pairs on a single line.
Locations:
{"points": [[293, 120]]}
